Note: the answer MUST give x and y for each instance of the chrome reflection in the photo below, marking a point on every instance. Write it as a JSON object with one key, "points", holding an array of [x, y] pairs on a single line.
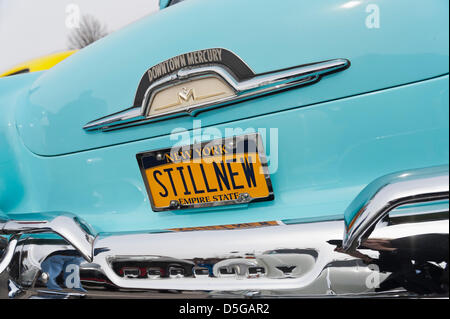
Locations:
{"points": [[417, 263], [388, 192], [405, 254], [403, 264], [68, 226]]}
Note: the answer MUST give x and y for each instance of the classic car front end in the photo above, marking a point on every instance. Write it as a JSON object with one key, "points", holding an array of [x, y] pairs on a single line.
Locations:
{"points": [[289, 148]]}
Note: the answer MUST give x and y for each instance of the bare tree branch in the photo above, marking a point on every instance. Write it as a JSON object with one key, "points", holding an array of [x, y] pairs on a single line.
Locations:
{"points": [[89, 31]]}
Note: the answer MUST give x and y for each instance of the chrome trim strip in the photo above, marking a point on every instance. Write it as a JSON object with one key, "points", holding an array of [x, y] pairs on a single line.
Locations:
{"points": [[391, 191], [256, 86]]}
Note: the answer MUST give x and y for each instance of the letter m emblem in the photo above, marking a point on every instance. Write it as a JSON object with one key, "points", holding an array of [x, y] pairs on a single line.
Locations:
{"points": [[185, 94]]}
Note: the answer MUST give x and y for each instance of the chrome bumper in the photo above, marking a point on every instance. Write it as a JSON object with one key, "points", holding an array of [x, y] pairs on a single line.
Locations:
{"points": [[395, 243]]}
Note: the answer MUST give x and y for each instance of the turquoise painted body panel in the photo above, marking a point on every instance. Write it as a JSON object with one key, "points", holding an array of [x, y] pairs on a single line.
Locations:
{"points": [[387, 112], [102, 79], [320, 169]]}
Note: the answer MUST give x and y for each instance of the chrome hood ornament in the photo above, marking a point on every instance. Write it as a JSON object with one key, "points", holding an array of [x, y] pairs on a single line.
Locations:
{"points": [[203, 79]]}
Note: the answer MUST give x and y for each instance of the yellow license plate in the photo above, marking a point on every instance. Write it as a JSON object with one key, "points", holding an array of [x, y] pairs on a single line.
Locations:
{"points": [[214, 173]]}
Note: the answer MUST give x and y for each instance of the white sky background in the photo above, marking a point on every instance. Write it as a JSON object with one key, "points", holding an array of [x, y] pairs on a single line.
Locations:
{"points": [[33, 28]]}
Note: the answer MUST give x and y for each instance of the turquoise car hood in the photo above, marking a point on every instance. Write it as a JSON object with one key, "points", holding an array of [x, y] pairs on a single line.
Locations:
{"points": [[102, 79]]}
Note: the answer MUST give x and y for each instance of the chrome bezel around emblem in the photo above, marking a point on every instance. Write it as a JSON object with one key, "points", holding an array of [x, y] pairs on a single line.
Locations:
{"points": [[231, 69]]}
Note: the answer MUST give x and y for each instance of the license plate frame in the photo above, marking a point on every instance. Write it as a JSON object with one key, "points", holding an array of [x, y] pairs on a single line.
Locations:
{"points": [[239, 150]]}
